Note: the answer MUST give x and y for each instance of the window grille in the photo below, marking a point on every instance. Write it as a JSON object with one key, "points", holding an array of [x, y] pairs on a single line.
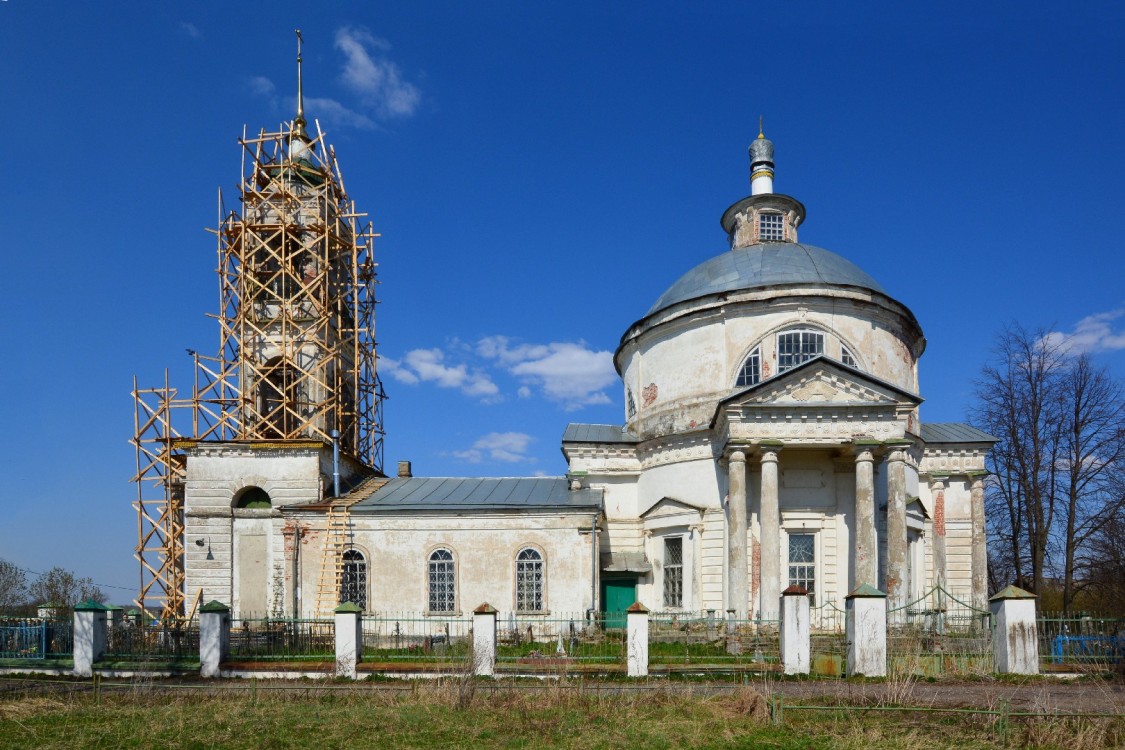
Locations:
{"points": [[529, 581], [771, 227], [674, 572], [795, 347], [443, 581], [751, 371], [802, 562], [353, 579], [846, 357]]}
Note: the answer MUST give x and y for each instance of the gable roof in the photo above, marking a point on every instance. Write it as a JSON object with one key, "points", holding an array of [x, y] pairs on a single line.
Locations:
{"points": [[954, 432], [477, 493]]}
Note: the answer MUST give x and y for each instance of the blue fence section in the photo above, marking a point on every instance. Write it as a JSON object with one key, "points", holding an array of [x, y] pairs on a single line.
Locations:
{"points": [[36, 638]]}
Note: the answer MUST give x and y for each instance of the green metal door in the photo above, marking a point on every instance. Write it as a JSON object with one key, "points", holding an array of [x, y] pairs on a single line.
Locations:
{"points": [[618, 594]]}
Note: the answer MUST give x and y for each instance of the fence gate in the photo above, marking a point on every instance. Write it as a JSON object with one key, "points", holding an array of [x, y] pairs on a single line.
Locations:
{"points": [[938, 633], [35, 638]]}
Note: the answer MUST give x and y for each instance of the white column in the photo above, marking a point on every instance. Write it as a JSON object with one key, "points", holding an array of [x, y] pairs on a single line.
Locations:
{"points": [[214, 637], [738, 589], [980, 546], [636, 639], [771, 534], [1015, 637], [866, 551], [897, 565], [89, 636], [937, 492], [795, 641], [484, 640], [349, 639], [866, 609]]}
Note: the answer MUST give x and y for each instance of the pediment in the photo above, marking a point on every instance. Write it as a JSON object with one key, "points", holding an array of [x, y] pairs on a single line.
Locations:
{"points": [[822, 381], [669, 506]]}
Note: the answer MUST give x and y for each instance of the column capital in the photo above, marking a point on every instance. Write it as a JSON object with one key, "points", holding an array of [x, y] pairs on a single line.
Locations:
{"points": [[737, 455], [937, 481], [864, 450], [769, 449]]}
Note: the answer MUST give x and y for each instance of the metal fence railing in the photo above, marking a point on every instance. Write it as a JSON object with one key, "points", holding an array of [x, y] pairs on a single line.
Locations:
{"points": [[36, 638], [700, 640], [938, 633], [559, 639], [135, 641], [269, 639], [1079, 640], [398, 637]]}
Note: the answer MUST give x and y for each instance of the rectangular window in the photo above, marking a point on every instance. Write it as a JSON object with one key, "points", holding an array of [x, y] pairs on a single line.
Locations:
{"points": [[771, 228], [795, 347], [674, 572], [802, 562]]}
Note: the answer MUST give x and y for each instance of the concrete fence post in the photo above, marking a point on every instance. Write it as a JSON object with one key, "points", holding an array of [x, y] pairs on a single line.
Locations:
{"points": [[349, 639], [1015, 635], [866, 609], [795, 645], [114, 616], [89, 636], [636, 639], [214, 637], [484, 640]]}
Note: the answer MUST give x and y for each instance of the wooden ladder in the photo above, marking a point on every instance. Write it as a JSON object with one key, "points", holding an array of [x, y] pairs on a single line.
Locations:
{"points": [[337, 540]]}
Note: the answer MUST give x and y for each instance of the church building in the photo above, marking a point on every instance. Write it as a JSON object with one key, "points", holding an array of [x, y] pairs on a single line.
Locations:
{"points": [[770, 437]]}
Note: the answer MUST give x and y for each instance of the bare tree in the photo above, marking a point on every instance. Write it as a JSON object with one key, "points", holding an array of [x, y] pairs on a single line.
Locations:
{"points": [[1018, 402], [1107, 577], [13, 586], [1092, 459], [1056, 472], [60, 586]]}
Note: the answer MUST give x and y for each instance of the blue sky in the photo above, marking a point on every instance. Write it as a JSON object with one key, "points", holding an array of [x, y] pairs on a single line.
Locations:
{"points": [[540, 174]]}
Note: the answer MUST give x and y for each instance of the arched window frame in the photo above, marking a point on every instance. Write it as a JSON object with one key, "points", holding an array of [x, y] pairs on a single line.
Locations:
{"points": [[531, 580], [252, 497], [847, 358], [441, 581], [353, 578], [750, 373]]}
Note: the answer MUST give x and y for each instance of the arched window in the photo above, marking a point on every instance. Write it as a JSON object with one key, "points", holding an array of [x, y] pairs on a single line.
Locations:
{"points": [[253, 497], [751, 371], [846, 357], [442, 581], [529, 581], [353, 579], [795, 347]]}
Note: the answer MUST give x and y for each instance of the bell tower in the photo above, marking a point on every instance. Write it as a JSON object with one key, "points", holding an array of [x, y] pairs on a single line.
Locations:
{"points": [[289, 410]]}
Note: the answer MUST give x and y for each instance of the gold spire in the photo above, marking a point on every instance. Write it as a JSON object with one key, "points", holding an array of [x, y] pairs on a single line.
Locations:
{"points": [[761, 132], [299, 120]]}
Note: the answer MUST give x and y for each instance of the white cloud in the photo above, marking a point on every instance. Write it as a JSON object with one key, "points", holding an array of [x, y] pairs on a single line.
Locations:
{"points": [[569, 373], [370, 73], [509, 447], [1094, 333], [428, 366], [333, 111], [190, 29], [261, 86]]}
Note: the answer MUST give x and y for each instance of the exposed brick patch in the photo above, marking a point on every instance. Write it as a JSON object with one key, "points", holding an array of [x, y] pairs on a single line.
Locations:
{"points": [[939, 513]]}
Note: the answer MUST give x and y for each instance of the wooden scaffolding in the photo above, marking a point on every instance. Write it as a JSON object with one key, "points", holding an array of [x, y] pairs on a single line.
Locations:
{"points": [[296, 356]]}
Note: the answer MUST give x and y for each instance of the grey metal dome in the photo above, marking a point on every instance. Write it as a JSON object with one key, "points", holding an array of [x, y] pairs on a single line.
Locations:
{"points": [[763, 265]]}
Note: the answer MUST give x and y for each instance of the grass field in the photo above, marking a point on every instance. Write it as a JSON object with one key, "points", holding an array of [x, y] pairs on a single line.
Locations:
{"points": [[458, 713]]}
